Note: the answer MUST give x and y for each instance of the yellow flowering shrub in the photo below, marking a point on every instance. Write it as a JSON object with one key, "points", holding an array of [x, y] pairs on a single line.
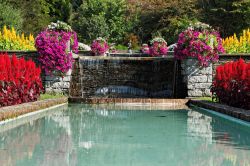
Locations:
{"points": [[10, 40], [234, 44]]}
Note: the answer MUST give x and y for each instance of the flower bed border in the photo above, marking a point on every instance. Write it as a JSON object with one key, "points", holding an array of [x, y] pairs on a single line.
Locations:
{"points": [[21, 109], [224, 109]]}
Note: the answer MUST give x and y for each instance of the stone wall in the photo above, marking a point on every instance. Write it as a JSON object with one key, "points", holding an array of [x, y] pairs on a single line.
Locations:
{"points": [[123, 77], [196, 79], [132, 76]]}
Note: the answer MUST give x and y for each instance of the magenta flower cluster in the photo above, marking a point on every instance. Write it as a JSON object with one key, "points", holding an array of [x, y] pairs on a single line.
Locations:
{"points": [[99, 46], [52, 47], [158, 47], [204, 45]]}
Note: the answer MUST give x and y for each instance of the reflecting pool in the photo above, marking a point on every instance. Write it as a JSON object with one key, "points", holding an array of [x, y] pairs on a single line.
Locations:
{"points": [[91, 135]]}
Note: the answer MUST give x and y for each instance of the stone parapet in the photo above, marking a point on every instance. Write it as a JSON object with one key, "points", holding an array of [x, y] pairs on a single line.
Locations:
{"points": [[197, 80]]}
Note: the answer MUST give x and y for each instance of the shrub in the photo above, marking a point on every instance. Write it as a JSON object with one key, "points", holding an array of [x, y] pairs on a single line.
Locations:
{"points": [[132, 39], [158, 47], [10, 16], [199, 41], [19, 81], [99, 46], [52, 45], [10, 40], [231, 84], [233, 44], [121, 47], [105, 18]]}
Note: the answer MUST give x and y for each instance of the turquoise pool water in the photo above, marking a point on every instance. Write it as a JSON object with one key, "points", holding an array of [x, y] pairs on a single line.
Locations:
{"points": [[85, 135]]}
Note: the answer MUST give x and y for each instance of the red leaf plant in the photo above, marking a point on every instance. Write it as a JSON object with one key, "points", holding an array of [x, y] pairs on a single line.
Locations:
{"points": [[231, 84], [20, 80]]}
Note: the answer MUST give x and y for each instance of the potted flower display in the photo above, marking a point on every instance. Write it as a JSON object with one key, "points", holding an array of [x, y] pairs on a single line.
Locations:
{"points": [[197, 47], [145, 49], [199, 41], [99, 47], [158, 47], [54, 46]]}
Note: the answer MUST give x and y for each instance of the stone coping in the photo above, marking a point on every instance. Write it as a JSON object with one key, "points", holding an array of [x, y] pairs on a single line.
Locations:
{"points": [[30, 117], [81, 57], [20, 109], [165, 103], [224, 109], [136, 106]]}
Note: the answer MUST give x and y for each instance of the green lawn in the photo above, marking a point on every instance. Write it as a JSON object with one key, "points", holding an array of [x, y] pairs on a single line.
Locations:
{"points": [[50, 96], [205, 98]]}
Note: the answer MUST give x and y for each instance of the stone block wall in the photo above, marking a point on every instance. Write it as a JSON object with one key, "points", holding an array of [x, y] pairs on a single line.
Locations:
{"points": [[123, 77], [152, 75], [197, 80], [57, 83]]}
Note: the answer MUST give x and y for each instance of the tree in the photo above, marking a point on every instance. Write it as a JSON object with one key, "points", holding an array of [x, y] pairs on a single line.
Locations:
{"points": [[36, 14], [105, 18], [228, 16], [10, 17], [163, 18], [59, 10]]}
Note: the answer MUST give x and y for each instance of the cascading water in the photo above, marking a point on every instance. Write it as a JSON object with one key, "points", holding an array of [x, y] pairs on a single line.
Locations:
{"points": [[124, 77]]}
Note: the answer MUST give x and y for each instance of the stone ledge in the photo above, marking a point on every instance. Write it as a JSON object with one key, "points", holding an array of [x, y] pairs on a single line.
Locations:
{"points": [[166, 103], [224, 109], [20, 109]]}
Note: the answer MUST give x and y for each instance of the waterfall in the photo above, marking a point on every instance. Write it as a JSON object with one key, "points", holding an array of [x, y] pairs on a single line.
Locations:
{"points": [[125, 77]]}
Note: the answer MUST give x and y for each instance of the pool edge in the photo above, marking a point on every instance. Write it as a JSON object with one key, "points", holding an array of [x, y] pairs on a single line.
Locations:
{"points": [[238, 113], [14, 111]]}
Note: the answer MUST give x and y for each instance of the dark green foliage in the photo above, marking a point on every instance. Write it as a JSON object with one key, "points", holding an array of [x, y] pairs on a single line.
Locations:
{"points": [[174, 28], [228, 16], [76, 4], [105, 18], [116, 19], [10, 17], [165, 18], [59, 10], [36, 15]]}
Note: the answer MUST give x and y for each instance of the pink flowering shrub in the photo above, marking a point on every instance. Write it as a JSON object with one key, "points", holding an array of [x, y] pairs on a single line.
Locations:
{"points": [[99, 46], [158, 47], [201, 42], [52, 44]]}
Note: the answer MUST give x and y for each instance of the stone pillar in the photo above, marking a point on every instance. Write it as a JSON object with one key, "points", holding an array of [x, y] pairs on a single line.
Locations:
{"points": [[57, 83], [197, 80]]}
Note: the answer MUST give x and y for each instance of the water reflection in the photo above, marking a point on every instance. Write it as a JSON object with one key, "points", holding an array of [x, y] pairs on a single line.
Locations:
{"points": [[199, 126], [93, 135]]}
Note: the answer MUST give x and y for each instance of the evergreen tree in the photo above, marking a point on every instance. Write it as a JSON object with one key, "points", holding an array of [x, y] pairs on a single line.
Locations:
{"points": [[229, 16]]}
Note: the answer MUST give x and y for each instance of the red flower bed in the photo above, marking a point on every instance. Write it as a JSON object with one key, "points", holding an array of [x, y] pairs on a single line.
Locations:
{"points": [[19, 80], [232, 84]]}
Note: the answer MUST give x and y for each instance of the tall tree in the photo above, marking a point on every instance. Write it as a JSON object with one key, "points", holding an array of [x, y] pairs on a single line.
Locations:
{"points": [[106, 18], [36, 14], [229, 16], [163, 18], [59, 10]]}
